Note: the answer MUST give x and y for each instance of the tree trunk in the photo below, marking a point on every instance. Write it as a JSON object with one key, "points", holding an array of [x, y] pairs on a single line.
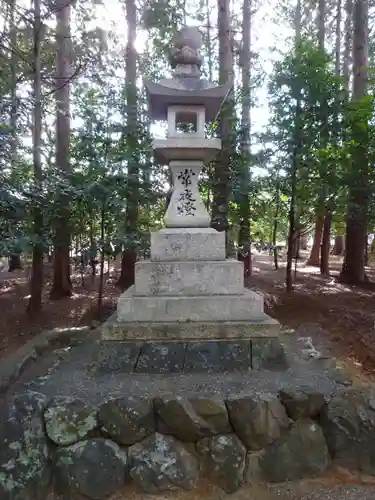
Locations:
{"points": [[102, 257], [321, 23], [275, 226], [36, 282], [353, 270], [366, 250], [129, 256], [14, 260], [348, 41], [338, 39], [61, 284], [222, 174], [209, 45], [338, 74], [372, 247], [323, 249], [14, 263], [244, 243], [295, 164], [339, 245], [303, 241], [314, 259], [326, 243], [326, 240], [13, 68], [296, 244]]}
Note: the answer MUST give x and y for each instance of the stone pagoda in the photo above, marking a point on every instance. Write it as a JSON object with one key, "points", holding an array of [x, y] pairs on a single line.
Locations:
{"points": [[188, 289]]}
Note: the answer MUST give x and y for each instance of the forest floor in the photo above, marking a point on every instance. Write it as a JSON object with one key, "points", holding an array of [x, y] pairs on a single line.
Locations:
{"points": [[345, 314]]}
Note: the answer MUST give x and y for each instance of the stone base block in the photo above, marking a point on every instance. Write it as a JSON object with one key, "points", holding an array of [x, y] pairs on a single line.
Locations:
{"points": [[181, 244], [245, 307], [114, 330], [189, 278]]}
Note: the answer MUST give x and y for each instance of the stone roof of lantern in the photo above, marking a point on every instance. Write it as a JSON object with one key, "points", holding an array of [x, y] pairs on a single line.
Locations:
{"points": [[185, 90]]}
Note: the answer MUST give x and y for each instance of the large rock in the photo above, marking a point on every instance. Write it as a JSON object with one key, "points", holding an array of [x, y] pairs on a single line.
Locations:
{"points": [[301, 453], [127, 420], [161, 463], [24, 464], [253, 472], [302, 402], [95, 468], [191, 419], [223, 460], [257, 420], [348, 423], [68, 420]]}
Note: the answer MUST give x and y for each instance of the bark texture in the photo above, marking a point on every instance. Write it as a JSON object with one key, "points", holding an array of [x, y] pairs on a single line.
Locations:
{"points": [[244, 242], [353, 271], [36, 282], [129, 256], [222, 173], [61, 284]]}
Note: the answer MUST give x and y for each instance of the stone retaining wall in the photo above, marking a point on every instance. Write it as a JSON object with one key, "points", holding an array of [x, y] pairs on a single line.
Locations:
{"points": [[170, 442]]}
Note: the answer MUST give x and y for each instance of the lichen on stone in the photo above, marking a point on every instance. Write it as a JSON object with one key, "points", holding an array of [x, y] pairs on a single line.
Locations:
{"points": [[68, 420]]}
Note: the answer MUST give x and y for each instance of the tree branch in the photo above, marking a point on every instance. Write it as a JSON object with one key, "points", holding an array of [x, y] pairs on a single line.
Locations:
{"points": [[66, 82]]}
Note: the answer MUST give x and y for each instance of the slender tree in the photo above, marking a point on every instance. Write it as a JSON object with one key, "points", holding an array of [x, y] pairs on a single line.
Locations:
{"points": [[222, 173], [338, 247], [348, 43], [314, 259], [353, 270], [62, 285], [325, 135], [15, 258], [295, 160], [244, 244], [36, 283], [129, 255]]}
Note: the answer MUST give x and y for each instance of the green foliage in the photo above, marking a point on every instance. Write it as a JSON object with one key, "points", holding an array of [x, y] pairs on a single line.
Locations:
{"points": [[101, 145], [306, 74]]}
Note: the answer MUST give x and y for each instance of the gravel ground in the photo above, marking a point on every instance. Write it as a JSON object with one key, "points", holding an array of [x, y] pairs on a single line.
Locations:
{"points": [[346, 493], [290, 492]]}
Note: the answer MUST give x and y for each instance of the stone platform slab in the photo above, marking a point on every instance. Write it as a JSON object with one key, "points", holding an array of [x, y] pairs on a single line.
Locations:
{"points": [[189, 278], [245, 307], [181, 244], [114, 330], [206, 356]]}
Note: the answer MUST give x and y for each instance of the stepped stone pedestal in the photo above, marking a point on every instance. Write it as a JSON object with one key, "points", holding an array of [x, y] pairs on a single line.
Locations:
{"points": [[188, 290]]}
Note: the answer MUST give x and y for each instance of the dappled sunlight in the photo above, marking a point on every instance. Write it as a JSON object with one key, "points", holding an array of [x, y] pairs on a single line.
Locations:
{"points": [[76, 296], [8, 286], [79, 310], [345, 313]]}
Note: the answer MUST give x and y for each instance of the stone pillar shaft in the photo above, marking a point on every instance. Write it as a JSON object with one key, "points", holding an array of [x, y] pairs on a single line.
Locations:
{"points": [[186, 209]]}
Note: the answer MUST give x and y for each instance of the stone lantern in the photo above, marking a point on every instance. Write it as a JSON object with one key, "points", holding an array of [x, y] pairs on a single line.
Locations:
{"points": [[188, 289], [186, 102]]}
